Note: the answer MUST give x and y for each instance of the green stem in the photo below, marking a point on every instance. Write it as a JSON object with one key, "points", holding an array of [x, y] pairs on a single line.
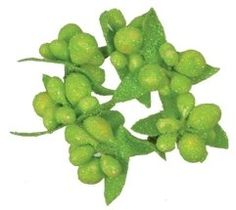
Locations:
{"points": [[169, 105]]}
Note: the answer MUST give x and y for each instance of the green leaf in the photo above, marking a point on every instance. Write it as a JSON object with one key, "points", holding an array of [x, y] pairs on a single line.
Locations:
{"points": [[221, 139], [129, 89], [130, 145], [154, 37], [115, 119], [147, 125], [145, 99], [208, 72], [114, 186], [107, 32]]}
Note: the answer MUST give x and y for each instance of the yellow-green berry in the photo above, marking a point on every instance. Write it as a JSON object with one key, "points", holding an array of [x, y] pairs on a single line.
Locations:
{"points": [[97, 59], [166, 142], [65, 115], [116, 19], [119, 60], [185, 103], [82, 47], [99, 128], [81, 154], [91, 172], [88, 104], [180, 84], [152, 77], [77, 86], [168, 125], [192, 148], [41, 102], [59, 49], [169, 54], [49, 119], [56, 90], [204, 117], [68, 31], [191, 63], [45, 51], [96, 74], [110, 166], [128, 40], [76, 135], [136, 61]]}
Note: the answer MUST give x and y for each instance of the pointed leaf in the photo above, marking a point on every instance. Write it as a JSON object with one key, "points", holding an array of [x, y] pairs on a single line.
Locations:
{"points": [[128, 89], [208, 72], [147, 125], [145, 99], [221, 139], [154, 37], [114, 186]]}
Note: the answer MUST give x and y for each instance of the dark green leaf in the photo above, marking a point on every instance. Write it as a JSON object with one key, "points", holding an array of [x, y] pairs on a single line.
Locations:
{"points": [[114, 186], [145, 99], [221, 139], [115, 119], [154, 37], [208, 72], [147, 125], [129, 89], [107, 32]]}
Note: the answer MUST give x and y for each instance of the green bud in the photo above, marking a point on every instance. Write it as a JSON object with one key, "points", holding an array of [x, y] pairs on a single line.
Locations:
{"points": [[45, 51], [81, 155], [166, 142], [91, 172], [110, 166], [192, 148], [41, 102], [65, 115], [165, 90], [56, 90], [180, 84], [49, 119], [152, 77], [185, 103], [88, 104], [95, 73], [116, 19], [68, 31], [82, 47], [136, 61], [119, 60], [99, 128], [76, 135], [191, 63], [204, 116], [77, 86], [168, 125], [169, 54], [128, 40], [59, 49]]}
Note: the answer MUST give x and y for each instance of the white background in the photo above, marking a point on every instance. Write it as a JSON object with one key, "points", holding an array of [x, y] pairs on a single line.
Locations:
{"points": [[35, 172]]}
